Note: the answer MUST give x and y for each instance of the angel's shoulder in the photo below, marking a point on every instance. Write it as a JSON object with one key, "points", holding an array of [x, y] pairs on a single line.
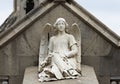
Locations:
{"points": [[70, 35], [52, 37]]}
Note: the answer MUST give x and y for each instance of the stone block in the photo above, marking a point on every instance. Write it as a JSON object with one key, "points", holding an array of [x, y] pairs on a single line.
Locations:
{"points": [[88, 77]]}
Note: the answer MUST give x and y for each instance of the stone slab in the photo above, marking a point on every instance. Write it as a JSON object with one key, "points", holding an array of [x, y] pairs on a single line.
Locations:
{"points": [[88, 77]]}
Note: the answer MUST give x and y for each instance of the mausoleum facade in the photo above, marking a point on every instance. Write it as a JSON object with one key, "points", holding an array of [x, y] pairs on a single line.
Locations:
{"points": [[20, 37]]}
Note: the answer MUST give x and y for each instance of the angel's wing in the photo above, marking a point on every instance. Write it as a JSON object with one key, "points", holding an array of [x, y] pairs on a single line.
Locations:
{"points": [[43, 49], [75, 31]]}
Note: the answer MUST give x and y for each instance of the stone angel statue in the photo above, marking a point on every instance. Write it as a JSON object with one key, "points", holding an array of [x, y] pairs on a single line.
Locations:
{"points": [[60, 52]]}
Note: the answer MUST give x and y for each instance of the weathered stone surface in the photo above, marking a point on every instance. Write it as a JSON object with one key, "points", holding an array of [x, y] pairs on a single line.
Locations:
{"points": [[88, 77], [97, 50], [8, 60], [15, 79]]}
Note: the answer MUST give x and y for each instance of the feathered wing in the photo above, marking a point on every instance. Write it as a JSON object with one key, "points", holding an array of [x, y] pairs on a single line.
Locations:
{"points": [[75, 31], [43, 49]]}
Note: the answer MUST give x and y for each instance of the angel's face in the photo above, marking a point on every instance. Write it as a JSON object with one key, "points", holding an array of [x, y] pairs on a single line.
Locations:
{"points": [[61, 25]]}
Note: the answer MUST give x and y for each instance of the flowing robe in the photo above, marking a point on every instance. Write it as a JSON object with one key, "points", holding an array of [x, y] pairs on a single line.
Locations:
{"points": [[63, 50]]}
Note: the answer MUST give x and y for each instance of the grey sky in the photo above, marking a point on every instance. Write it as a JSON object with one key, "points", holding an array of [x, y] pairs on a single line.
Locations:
{"points": [[107, 11], [6, 8]]}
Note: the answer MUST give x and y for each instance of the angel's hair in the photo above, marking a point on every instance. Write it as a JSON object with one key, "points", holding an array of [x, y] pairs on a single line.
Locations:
{"points": [[59, 19]]}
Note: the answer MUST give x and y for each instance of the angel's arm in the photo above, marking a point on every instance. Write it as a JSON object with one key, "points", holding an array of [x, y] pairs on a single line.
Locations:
{"points": [[73, 47], [73, 51], [74, 30]]}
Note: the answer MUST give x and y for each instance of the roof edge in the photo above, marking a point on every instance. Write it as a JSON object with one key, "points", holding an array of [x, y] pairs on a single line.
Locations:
{"points": [[76, 8], [97, 20], [94, 22], [22, 24]]}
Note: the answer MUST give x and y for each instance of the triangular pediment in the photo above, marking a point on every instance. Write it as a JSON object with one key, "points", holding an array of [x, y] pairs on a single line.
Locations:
{"points": [[73, 7]]}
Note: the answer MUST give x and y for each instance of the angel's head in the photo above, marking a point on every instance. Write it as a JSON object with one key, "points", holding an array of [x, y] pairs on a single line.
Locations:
{"points": [[61, 24]]}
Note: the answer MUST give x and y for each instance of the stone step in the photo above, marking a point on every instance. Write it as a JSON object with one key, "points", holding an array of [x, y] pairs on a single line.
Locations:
{"points": [[88, 77]]}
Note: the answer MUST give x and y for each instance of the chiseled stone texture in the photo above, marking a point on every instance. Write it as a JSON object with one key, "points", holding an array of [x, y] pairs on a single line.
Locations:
{"points": [[88, 77], [22, 51]]}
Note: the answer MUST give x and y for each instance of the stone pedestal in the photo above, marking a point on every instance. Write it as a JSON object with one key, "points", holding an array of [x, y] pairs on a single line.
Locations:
{"points": [[88, 77]]}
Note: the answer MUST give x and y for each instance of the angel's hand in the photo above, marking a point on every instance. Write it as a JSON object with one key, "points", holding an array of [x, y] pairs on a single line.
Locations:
{"points": [[43, 63], [40, 69], [66, 55], [62, 55]]}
